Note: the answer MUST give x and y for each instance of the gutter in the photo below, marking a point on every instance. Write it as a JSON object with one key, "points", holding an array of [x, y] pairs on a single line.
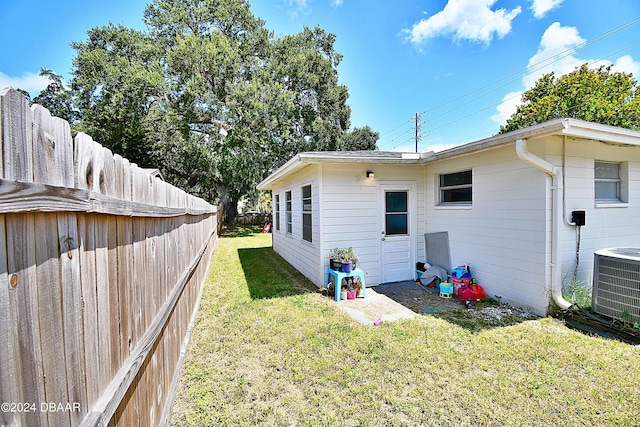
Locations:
{"points": [[556, 218]]}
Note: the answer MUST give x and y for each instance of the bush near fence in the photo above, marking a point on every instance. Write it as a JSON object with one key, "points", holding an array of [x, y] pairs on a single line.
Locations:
{"points": [[101, 270]]}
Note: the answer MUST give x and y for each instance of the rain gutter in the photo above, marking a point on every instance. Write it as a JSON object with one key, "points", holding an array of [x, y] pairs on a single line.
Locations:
{"points": [[556, 218]]}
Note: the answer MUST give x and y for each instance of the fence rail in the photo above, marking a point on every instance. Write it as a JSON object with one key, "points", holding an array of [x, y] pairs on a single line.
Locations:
{"points": [[101, 269]]}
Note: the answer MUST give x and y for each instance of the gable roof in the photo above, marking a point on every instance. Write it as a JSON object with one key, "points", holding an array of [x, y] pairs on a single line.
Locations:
{"points": [[564, 126]]}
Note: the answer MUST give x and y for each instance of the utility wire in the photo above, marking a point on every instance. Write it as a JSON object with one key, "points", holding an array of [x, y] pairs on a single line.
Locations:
{"points": [[532, 68]]}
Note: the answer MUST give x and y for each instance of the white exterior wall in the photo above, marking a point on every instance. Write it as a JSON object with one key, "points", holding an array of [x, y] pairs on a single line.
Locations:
{"points": [[351, 210], [606, 225], [304, 256], [505, 234]]}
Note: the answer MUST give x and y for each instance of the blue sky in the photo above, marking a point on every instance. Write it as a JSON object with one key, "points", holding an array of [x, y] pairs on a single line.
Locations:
{"points": [[461, 64]]}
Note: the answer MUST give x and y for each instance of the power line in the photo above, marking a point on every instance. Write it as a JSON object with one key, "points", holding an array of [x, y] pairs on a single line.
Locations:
{"points": [[543, 63], [510, 79]]}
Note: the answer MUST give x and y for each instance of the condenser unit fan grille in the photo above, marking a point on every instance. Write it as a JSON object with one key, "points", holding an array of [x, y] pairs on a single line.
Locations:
{"points": [[616, 290]]}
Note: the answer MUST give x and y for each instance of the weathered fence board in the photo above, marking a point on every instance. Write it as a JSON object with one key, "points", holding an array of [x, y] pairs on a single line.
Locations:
{"points": [[101, 269]]}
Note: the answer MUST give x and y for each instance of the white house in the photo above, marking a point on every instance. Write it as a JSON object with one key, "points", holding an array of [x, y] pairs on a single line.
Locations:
{"points": [[507, 203]]}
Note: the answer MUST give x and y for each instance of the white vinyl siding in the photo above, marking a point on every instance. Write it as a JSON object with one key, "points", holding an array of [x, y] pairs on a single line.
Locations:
{"points": [[504, 235], [352, 209], [303, 255], [608, 224]]}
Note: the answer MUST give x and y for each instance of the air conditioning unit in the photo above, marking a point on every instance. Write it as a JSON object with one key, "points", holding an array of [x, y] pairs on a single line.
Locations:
{"points": [[616, 283]]}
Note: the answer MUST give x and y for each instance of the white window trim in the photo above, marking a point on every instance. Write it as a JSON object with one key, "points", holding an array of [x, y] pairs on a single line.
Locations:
{"points": [[288, 213], [453, 205], [623, 201], [303, 213]]}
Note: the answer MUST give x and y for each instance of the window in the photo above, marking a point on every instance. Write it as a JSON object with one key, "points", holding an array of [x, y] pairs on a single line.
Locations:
{"points": [[307, 231], [608, 182], [287, 197], [396, 214], [455, 188], [277, 211]]}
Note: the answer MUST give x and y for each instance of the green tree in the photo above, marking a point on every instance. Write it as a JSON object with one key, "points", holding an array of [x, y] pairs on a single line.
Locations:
{"points": [[57, 98], [210, 96], [363, 138], [120, 88], [596, 95]]}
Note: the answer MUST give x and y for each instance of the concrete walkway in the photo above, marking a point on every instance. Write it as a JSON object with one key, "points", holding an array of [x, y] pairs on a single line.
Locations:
{"points": [[375, 306]]}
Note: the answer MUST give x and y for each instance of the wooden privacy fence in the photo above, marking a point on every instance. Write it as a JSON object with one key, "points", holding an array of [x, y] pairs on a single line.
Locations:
{"points": [[101, 268]]}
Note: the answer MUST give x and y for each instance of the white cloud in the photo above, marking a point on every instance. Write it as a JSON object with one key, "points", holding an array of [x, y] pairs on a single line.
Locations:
{"points": [[31, 82], [298, 7], [472, 20], [438, 147], [336, 3], [627, 64], [541, 7], [507, 107], [557, 53]]}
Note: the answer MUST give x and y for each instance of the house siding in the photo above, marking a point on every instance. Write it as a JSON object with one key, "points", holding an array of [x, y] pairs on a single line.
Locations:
{"points": [[302, 255], [605, 227], [504, 235], [351, 210]]}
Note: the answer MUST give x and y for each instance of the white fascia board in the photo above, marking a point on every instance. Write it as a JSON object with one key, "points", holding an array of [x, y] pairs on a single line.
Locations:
{"points": [[294, 163], [535, 131], [595, 131]]}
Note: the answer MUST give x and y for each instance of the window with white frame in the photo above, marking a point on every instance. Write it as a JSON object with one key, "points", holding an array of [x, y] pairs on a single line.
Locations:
{"points": [[608, 182], [307, 230], [455, 188], [276, 208], [287, 214]]}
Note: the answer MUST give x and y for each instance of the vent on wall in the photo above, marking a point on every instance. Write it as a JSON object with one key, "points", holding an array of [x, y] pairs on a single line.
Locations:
{"points": [[616, 283]]}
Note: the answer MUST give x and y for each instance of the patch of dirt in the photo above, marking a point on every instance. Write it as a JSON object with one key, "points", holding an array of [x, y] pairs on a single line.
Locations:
{"points": [[419, 299], [425, 300]]}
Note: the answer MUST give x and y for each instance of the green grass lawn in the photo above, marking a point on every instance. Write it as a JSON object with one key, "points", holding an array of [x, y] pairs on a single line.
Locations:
{"points": [[269, 350]]}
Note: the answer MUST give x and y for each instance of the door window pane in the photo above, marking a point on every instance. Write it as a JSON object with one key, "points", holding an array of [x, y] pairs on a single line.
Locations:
{"points": [[396, 201], [396, 224], [396, 213]]}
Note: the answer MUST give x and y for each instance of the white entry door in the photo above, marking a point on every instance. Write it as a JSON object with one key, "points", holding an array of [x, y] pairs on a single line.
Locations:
{"points": [[397, 229]]}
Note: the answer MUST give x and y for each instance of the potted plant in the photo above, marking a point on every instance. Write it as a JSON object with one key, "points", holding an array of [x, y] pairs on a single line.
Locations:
{"points": [[357, 286], [349, 260], [331, 289], [343, 292], [343, 259], [335, 258]]}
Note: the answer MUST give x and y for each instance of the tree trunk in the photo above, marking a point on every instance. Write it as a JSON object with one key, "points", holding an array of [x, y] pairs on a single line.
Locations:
{"points": [[231, 211], [230, 206]]}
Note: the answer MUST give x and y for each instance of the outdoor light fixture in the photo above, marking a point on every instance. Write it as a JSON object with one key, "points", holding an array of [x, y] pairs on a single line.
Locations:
{"points": [[370, 174]]}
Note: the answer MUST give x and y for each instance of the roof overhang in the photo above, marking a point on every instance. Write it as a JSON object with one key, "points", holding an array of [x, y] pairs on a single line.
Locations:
{"points": [[560, 127], [301, 160]]}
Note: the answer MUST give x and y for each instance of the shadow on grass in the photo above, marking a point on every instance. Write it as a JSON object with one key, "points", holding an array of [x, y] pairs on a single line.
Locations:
{"points": [[240, 230], [270, 276]]}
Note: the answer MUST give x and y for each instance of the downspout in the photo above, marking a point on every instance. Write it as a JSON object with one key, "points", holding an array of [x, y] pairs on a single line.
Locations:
{"points": [[556, 218]]}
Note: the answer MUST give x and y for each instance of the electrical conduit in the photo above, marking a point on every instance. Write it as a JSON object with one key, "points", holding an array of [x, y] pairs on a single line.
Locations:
{"points": [[556, 218]]}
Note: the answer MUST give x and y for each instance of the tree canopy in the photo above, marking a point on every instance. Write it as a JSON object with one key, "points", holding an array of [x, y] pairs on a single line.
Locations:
{"points": [[209, 95], [596, 95]]}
